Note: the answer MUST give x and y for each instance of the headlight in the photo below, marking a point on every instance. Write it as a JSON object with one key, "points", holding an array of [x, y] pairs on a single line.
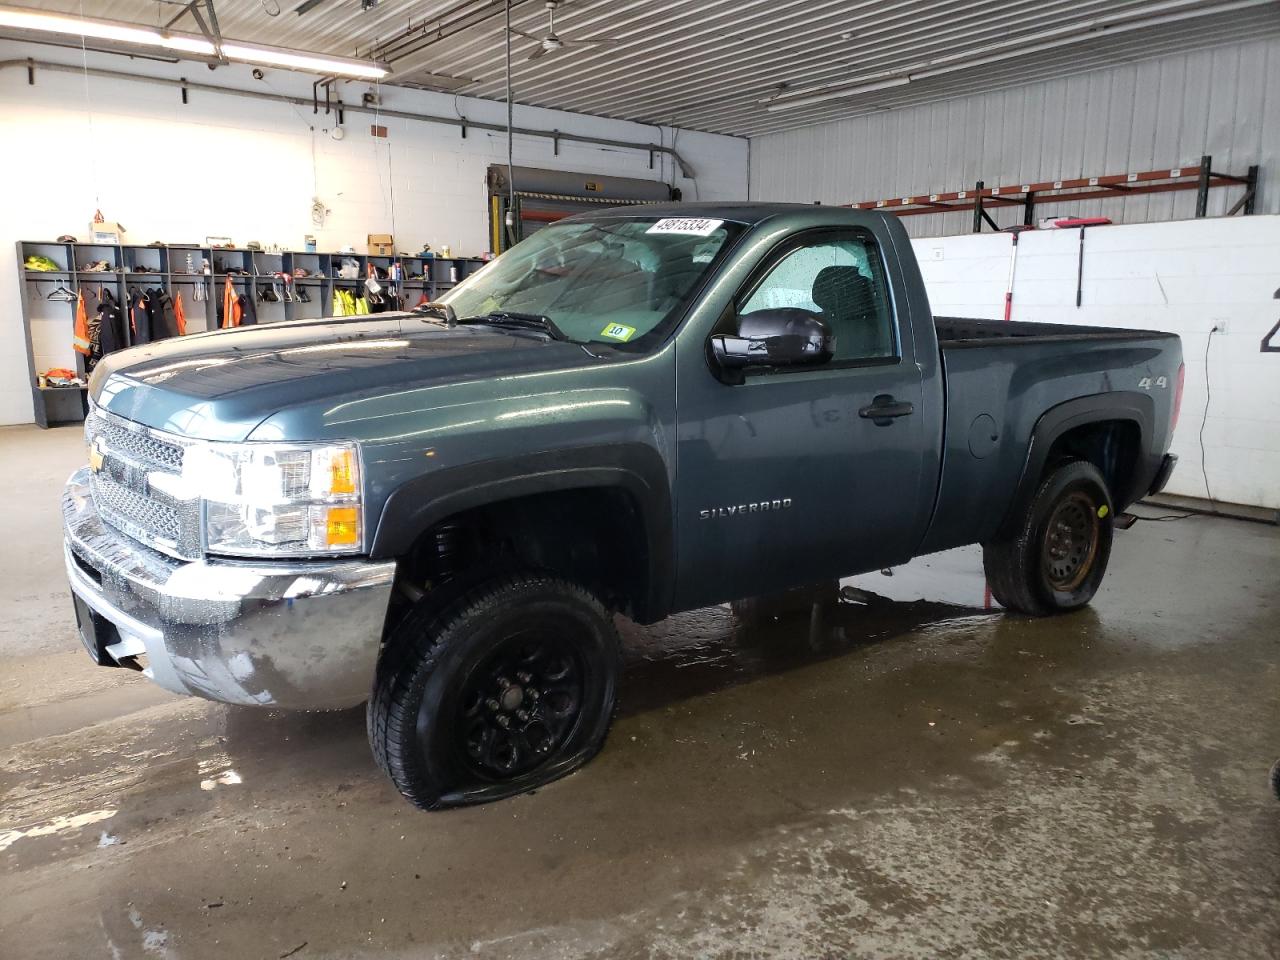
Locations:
{"points": [[267, 499]]}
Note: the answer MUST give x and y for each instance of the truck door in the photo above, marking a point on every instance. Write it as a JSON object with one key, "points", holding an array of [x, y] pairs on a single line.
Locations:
{"points": [[803, 473]]}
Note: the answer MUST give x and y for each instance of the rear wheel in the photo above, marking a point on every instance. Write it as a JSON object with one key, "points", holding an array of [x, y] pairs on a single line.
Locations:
{"points": [[1057, 557], [508, 686]]}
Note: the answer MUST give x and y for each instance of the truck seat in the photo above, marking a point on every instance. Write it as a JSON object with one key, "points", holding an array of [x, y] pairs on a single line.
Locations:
{"points": [[847, 300]]}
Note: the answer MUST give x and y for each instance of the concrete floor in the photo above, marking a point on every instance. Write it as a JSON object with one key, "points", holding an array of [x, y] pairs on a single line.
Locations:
{"points": [[916, 777]]}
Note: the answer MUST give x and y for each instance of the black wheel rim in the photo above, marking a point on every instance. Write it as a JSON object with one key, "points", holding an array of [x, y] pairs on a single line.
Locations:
{"points": [[520, 705], [1071, 542]]}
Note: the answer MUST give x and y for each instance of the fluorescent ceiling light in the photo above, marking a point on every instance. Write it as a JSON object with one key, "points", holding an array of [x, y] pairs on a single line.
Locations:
{"points": [[312, 63], [38, 22], [102, 30], [1152, 15]]}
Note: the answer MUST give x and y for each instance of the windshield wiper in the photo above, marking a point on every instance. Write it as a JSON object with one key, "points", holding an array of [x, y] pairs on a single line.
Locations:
{"points": [[442, 310], [518, 321]]}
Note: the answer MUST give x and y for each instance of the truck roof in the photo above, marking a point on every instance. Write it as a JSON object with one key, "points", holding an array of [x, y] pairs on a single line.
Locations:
{"points": [[737, 211]]}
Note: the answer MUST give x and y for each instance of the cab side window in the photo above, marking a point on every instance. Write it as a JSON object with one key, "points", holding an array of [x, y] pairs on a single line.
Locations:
{"points": [[841, 279]]}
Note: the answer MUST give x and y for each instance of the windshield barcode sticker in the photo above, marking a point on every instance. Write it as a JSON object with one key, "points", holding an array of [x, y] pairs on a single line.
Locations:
{"points": [[689, 226], [618, 331]]}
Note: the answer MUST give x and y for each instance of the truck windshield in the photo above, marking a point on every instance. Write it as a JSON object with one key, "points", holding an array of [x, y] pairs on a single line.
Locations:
{"points": [[621, 281]]}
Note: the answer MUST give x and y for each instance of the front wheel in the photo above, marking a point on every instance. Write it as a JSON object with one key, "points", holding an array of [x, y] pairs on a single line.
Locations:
{"points": [[1057, 557], [507, 687]]}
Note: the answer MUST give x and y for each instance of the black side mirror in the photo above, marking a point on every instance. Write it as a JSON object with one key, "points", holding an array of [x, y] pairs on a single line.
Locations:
{"points": [[784, 336]]}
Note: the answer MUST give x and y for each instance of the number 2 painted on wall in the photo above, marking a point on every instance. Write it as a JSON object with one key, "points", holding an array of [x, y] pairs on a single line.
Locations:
{"points": [[1269, 344]]}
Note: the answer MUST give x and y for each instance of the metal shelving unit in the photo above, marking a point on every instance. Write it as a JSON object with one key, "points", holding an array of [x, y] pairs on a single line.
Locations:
{"points": [[167, 267], [982, 198]]}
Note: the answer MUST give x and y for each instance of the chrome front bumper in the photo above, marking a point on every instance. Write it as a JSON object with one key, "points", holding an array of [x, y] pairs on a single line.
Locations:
{"points": [[292, 634]]}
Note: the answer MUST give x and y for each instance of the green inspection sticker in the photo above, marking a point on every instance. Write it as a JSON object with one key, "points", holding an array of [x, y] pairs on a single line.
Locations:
{"points": [[618, 331]]}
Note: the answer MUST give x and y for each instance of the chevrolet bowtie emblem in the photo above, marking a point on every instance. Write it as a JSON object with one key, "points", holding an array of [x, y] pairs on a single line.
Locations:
{"points": [[96, 457]]}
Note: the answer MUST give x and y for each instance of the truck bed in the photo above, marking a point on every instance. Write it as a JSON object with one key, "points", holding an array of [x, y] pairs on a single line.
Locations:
{"points": [[996, 395], [964, 332]]}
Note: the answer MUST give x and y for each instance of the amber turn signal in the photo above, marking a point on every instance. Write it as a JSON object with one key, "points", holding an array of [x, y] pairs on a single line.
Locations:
{"points": [[342, 526], [342, 472]]}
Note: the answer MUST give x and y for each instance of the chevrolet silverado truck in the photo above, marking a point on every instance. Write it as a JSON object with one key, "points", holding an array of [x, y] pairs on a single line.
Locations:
{"points": [[637, 411]]}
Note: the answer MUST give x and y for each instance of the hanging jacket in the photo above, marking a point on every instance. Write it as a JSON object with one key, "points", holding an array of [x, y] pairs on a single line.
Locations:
{"points": [[344, 303], [229, 310], [160, 328], [81, 342], [179, 316], [110, 328], [139, 317], [164, 323], [226, 306], [248, 311]]}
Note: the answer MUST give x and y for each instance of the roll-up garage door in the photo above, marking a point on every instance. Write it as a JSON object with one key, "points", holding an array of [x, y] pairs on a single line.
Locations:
{"points": [[545, 196]]}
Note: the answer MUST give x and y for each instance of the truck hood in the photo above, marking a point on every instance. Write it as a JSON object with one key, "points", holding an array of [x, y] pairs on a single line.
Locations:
{"points": [[219, 386]]}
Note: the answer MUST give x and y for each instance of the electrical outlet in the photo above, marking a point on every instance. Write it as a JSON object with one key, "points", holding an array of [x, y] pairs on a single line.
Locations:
{"points": [[1219, 326]]}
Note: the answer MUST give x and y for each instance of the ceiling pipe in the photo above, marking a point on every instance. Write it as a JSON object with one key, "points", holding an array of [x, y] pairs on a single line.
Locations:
{"points": [[685, 168], [457, 19]]}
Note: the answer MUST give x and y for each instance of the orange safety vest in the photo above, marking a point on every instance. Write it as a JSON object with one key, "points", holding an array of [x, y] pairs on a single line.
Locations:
{"points": [[231, 309], [179, 315], [81, 340]]}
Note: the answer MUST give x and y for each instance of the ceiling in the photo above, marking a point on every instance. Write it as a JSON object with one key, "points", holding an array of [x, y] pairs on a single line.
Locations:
{"points": [[719, 65]]}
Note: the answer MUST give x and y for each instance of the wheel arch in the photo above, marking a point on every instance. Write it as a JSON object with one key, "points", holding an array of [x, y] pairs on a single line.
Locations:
{"points": [[1114, 431], [619, 489]]}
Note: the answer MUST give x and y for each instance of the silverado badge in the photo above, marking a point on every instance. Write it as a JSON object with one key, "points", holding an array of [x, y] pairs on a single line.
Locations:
{"points": [[741, 509]]}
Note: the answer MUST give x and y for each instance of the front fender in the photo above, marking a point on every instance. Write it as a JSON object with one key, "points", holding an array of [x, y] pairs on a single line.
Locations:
{"points": [[419, 504]]}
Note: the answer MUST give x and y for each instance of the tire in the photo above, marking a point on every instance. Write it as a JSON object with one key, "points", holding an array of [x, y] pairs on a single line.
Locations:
{"points": [[506, 686], [1057, 557]]}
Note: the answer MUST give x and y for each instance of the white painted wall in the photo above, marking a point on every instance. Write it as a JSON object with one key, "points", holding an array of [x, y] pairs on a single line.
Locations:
{"points": [[1151, 115], [1181, 277], [225, 165]]}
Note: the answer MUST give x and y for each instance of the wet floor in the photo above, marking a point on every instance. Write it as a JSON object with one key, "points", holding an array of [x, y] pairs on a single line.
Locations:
{"points": [[904, 774]]}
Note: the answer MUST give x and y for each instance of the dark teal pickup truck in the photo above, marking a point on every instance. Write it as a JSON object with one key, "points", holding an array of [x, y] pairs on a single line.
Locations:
{"points": [[637, 411]]}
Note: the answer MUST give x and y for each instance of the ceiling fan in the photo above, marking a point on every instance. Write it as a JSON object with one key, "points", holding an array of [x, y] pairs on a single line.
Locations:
{"points": [[552, 42]]}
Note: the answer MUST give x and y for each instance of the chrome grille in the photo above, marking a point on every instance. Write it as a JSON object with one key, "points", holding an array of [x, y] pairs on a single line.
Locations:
{"points": [[145, 515], [124, 492], [136, 444]]}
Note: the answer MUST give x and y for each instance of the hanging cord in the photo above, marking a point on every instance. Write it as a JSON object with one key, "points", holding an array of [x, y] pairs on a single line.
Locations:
{"points": [[1204, 418], [391, 182], [315, 174], [675, 136], [511, 168], [88, 109], [317, 211]]}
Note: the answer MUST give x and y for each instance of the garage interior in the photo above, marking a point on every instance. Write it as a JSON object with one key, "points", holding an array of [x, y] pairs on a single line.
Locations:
{"points": [[899, 770]]}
